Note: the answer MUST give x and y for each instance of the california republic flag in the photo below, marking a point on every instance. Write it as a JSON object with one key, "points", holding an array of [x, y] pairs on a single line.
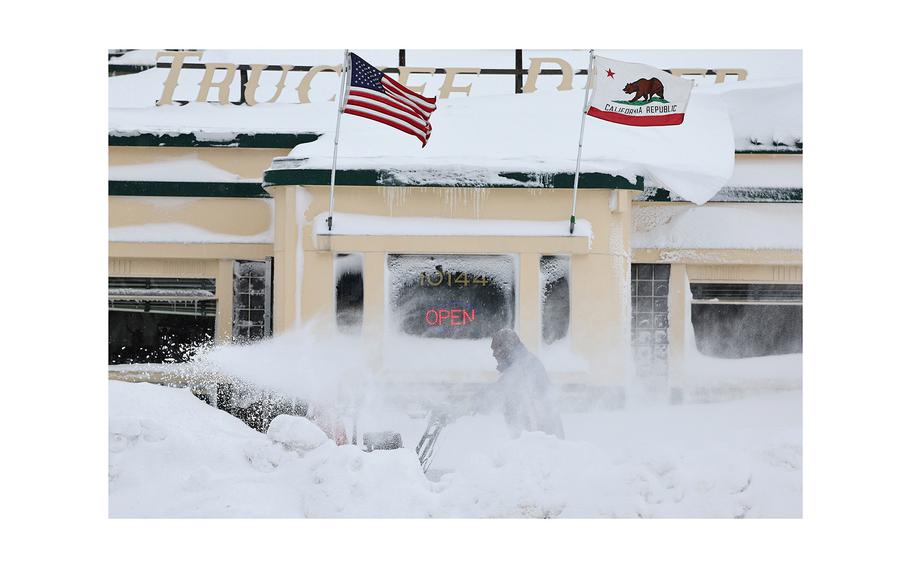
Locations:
{"points": [[637, 95]]}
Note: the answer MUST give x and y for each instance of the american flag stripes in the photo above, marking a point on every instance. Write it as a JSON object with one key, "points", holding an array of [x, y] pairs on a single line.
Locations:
{"points": [[372, 94]]}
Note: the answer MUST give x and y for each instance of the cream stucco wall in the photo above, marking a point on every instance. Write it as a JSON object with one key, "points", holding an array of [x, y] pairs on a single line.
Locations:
{"points": [[599, 279], [227, 219]]}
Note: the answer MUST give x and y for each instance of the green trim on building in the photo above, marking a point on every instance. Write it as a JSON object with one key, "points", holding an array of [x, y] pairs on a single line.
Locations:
{"points": [[185, 189], [290, 140], [372, 177], [730, 195], [191, 140], [388, 178]]}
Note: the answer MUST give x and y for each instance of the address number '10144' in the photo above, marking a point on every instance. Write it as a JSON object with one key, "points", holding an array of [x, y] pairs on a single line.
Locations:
{"points": [[444, 278]]}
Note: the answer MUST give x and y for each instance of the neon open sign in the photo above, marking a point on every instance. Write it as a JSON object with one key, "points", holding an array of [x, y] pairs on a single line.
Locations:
{"points": [[450, 317]]}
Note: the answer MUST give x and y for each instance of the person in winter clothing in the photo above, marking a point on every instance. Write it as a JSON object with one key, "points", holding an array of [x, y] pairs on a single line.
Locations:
{"points": [[523, 387]]}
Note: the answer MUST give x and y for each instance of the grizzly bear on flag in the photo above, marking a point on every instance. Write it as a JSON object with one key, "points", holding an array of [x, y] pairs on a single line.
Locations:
{"points": [[645, 88]]}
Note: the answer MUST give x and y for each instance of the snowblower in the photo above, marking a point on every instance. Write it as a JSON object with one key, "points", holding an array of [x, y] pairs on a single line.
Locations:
{"points": [[426, 447]]}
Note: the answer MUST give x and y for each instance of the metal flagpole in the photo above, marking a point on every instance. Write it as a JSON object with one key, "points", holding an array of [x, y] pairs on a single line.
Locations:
{"points": [[581, 136], [344, 83]]}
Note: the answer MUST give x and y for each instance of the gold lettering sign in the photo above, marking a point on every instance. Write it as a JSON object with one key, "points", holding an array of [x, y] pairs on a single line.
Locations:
{"points": [[534, 72], [249, 94], [224, 85], [448, 86], [170, 83], [208, 82], [405, 72], [303, 89]]}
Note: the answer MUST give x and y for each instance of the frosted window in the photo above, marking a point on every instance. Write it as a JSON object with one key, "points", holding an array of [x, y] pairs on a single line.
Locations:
{"points": [[349, 292], [747, 320], [554, 297], [650, 318], [452, 296], [252, 300]]}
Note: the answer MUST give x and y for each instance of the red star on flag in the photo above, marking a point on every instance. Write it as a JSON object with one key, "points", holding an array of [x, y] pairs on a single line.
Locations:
{"points": [[610, 73]]}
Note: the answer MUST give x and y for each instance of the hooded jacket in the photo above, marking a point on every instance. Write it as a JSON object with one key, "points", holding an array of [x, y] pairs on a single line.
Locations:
{"points": [[523, 387]]}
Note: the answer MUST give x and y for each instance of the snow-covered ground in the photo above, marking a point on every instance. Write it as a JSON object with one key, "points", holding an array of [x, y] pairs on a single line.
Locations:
{"points": [[172, 455]]}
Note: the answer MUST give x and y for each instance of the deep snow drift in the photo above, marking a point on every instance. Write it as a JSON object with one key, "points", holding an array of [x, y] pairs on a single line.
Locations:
{"points": [[171, 455]]}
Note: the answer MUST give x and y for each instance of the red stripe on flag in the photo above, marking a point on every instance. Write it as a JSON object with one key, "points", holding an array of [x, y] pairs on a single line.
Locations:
{"points": [[404, 89], [410, 96], [355, 112], [399, 115], [658, 120], [391, 118], [383, 99], [407, 101]]}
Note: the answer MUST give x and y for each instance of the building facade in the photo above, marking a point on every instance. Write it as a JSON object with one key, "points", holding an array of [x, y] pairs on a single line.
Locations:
{"points": [[224, 238]]}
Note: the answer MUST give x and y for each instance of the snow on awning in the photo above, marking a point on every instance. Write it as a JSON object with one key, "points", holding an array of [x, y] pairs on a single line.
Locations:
{"points": [[722, 225], [353, 224], [159, 294]]}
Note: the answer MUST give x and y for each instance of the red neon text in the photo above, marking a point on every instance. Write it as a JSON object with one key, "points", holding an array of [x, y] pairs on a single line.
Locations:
{"points": [[455, 316]]}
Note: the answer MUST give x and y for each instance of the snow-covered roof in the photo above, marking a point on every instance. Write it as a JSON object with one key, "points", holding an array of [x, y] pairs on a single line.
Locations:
{"points": [[755, 179], [479, 138], [721, 225], [766, 115], [476, 139]]}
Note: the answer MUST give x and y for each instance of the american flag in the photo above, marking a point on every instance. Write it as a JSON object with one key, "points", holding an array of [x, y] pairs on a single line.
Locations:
{"points": [[372, 94]]}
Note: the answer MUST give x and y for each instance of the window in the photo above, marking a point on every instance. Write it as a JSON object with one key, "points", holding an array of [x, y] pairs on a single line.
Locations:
{"points": [[252, 317], [159, 320], [452, 296], [747, 320], [650, 318], [349, 292], [554, 298]]}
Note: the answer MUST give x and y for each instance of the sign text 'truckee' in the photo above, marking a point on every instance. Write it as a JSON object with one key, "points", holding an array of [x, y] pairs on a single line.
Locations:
{"points": [[223, 85]]}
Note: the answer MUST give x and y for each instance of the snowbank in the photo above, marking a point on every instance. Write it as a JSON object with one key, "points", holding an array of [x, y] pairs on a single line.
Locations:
{"points": [[171, 455], [296, 433], [718, 225]]}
